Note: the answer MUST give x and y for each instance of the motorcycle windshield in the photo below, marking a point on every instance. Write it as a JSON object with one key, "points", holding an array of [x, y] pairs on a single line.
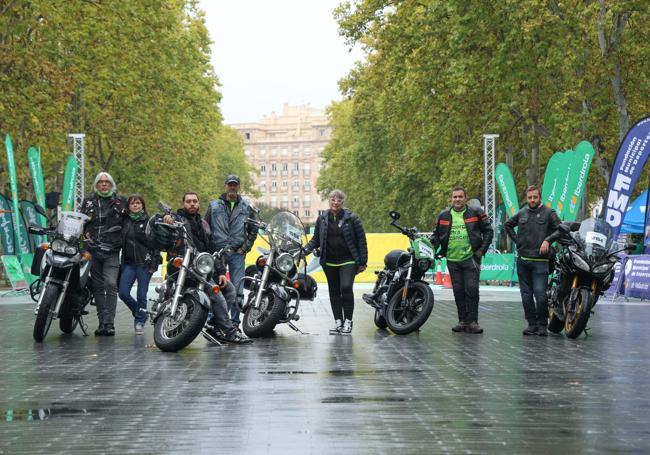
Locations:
{"points": [[71, 225], [596, 236], [287, 231]]}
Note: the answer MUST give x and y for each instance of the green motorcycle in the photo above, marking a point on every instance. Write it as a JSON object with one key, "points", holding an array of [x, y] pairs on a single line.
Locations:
{"points": [[401, 298]]}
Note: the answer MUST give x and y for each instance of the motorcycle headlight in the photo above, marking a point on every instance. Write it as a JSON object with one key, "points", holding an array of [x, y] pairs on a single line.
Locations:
{"points": [[579, 262], [71, 250], [58, 246], [284, 262], [604, 268], [203, 263]]}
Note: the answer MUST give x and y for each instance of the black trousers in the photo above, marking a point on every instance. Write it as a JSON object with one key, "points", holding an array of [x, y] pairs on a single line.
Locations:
{"points": [[464, 281], [339, 281]]}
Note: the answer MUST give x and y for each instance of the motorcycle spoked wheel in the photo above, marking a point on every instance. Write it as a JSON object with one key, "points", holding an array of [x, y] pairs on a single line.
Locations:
{"points": [[575, 323], [380, 321], [260, 322], [173, 334], [410, 316], [45, 314]]}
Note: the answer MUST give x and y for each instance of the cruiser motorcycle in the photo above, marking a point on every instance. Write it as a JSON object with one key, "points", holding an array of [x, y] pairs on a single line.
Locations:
{"points": [[401, 298], [64, 288], [275, 285], [584, 271], [180, 311]]}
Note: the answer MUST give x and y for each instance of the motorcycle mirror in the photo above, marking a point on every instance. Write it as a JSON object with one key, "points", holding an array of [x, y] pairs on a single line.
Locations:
{"points": [[575, 227], [563, 228], [164, 207], [262, 250], [40, 210], [394, 214], [35, 229]]}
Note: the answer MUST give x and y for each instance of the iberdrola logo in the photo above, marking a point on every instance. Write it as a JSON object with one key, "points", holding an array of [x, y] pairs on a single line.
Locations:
{"points": [[581, 181]]}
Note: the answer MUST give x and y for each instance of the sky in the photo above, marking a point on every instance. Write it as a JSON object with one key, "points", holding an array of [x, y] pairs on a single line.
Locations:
{"points": [[268, 52]]}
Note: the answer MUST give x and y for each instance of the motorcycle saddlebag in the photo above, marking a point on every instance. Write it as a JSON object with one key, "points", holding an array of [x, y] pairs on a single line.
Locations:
{"points": [[308, 287]]}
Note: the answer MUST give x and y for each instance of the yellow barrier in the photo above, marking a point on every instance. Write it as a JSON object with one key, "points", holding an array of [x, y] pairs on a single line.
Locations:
{"points": [[378, 246]]}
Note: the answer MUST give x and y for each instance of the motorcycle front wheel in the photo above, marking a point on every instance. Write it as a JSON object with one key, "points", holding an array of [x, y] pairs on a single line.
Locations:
{"points": [[172, 334], [260, 322], [575, 323], [555, 324], [403, 318], [45, 315], [67, 324], [380, 321]]}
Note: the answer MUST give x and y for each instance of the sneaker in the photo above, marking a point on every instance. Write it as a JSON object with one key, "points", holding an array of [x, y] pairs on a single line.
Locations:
{"points": [[460, 327], [473, 327], [236, 338], [337, 328], [139, 328], [541, 330], [531, 329], [109, 331], [347, 327], [101, 330]]}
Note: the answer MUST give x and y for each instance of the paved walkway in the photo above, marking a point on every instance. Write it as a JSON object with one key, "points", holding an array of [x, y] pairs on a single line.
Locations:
{"points": [[373, 392]]}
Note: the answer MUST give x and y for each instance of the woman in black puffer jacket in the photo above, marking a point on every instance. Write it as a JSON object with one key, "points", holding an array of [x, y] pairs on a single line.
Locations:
{"points": [[139, 261], [341, 239]]}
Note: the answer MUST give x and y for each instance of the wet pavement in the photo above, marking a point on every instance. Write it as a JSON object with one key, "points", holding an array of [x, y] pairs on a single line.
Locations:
{"points": [[373, 392]]}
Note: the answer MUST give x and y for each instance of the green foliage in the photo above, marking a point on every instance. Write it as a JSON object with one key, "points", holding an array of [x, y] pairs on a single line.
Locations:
{"points": [[134, 76], [441, 73]]}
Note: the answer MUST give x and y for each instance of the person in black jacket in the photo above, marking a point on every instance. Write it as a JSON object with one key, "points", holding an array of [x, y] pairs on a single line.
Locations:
{"points": [[536, 226], [139, 261], [106, 209], [221, 326], [343, 254], [464, 235]]}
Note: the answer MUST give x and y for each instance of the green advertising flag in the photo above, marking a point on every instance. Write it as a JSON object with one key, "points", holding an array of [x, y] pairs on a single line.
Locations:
{"points": [[507, 188], [69, 183], [584, 154], [565, 179], [34, 159], [22, 243], [553, 170], [7, 227]]}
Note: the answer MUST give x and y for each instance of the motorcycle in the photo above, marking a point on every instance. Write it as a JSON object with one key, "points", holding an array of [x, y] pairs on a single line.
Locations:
{"points": [[64, 287], [401, 298], [180, 311], [584, 271], [274, 284]]}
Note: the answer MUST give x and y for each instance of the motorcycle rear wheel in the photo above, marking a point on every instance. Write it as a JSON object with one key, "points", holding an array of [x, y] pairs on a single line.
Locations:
{"points": [[173, 334], [260, 322], [380, 321], [404, 319], [45, 314], [575, 324]]}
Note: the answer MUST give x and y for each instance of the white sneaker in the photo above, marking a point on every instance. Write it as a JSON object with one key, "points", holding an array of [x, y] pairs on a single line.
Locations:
{"points": [[347, 327], [337, 328], [139, 329]]}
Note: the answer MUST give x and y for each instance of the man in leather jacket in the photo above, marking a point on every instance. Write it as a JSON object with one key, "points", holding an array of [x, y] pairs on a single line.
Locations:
{"points": [[222, 327], [464, 235], [106, 209], [536, 226]]}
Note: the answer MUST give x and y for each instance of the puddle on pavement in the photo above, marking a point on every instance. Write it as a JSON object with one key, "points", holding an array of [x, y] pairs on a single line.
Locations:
{"points": [[364, 400], [288, 372], [35, 415], [368, 372]]}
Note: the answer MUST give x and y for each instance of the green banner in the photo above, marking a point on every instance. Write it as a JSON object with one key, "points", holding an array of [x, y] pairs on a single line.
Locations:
{"points": [[22, 242], [584, 154], [69, 183], [553, 171], [565, 179], [498, 267], [31, 216], [507, 188], [499, 221], [35, 168], [6, 227], [14, 272]]}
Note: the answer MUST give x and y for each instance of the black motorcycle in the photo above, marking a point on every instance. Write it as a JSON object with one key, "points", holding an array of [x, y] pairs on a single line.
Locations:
{"points": [[180, 311], [64, 288], [274, 284], [401, 298], [584, 270]]}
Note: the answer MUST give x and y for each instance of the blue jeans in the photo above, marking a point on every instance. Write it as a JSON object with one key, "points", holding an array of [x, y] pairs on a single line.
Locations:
{"points": [[219, 304], [533, 280], [235, 263], [131, 273]]}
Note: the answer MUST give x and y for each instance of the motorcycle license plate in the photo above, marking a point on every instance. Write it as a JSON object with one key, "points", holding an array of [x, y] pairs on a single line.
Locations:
{"points": [[596, 238], [426, 252]]}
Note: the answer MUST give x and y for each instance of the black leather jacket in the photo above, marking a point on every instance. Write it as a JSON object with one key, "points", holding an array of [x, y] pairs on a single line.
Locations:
{"points": [[105, 213], [199, 230], [353, 233], [534, 226], [135, 247], [479, 230]]}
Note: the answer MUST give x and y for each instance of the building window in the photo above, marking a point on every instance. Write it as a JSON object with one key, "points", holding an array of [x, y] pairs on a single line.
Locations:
{"points": [[274, 169], [285, 185], [307, 150], [274, 201], [284, 203], [274, 186], [295, 212], [296, 150], [306, 169], [274, 151], [295, 202], [262, 169], [322, 132], [295, 186], [285, 151], [307, 213], [285, 169], [247, 135]]}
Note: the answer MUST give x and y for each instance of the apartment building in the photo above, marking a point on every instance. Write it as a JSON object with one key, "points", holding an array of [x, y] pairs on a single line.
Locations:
{"points": [[286, 150]]}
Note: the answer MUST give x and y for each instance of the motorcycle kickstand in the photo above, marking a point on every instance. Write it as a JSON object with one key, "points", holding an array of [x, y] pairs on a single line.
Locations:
{"points": [[293, 326], [82, 325], [210, 338], [587, 329]]}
